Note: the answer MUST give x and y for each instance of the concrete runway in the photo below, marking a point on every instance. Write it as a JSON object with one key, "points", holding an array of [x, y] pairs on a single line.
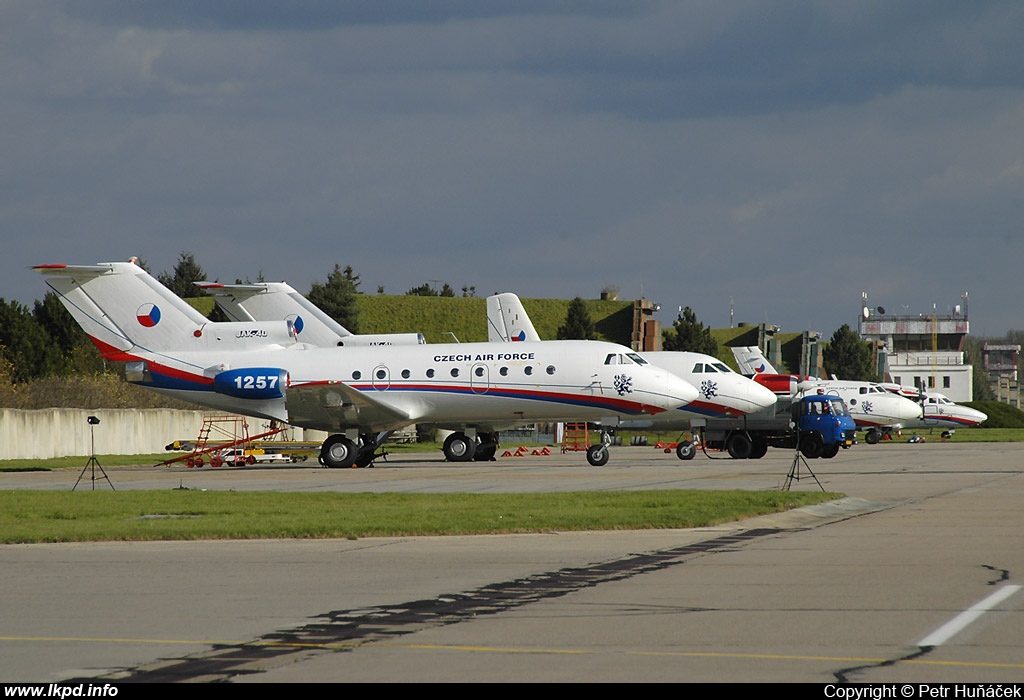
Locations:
{"points": [[867, 589]]}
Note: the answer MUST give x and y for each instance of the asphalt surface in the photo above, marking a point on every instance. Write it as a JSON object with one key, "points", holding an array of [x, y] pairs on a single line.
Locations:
{"points": [[872, 588]]}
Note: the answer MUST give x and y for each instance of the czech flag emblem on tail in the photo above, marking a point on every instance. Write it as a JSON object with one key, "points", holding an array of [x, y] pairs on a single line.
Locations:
{"points": [[297, 323], [759, 369], [518, 337], [148, 315]]}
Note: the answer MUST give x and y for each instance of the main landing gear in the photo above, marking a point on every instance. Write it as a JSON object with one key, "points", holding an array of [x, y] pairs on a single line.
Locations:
{"points": [[459, 447], [340, 451]]}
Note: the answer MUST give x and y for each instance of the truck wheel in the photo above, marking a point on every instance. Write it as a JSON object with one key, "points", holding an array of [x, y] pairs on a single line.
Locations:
{"points": [[686, 450], [811, 445], [830, 451], [872, 436], [758, 450], [739, 446]]}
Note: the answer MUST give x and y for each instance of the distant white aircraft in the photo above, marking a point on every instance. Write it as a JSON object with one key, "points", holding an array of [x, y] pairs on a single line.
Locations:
{"points": [[874, 409], [939, 411], [357, 394]]}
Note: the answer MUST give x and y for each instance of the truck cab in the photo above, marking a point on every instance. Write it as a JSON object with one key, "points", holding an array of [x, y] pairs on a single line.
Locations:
{"points": [[824, 425]]}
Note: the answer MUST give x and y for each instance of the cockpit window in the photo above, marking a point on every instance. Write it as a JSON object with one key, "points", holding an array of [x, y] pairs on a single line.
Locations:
{"points": [[627, 359], [722, 367], [698, 368]]}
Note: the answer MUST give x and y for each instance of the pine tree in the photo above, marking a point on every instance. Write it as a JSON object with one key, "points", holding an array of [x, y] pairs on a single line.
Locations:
{"points": [[849, 357], [337, 298], [578, 325], [690, 335], [186, 271]]}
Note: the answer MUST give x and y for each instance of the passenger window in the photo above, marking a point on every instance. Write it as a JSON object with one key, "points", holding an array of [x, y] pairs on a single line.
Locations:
{"points": [[430, 373], [357, 375], [528, 370], [406, 374], [479, 371], [381, 374], [551, 369], [503, 371], [455, 371]]}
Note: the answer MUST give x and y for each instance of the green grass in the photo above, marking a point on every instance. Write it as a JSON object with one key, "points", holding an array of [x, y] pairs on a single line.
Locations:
{"points": [[183, 514]]}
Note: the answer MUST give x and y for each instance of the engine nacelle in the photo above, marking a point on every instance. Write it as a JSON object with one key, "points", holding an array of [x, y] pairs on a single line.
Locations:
{"points": [[383, 339], [780, 384], [252, 382]]}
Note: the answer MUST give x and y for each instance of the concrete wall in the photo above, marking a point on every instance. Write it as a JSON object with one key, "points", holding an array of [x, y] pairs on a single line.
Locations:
{"points": [[66, 432]]}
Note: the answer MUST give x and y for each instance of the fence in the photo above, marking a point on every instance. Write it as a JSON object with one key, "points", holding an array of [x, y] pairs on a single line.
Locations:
{"points": [[67, 432]]}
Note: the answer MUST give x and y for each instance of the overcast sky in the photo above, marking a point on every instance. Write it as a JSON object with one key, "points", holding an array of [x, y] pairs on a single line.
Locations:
{"points": [[756, 161]]}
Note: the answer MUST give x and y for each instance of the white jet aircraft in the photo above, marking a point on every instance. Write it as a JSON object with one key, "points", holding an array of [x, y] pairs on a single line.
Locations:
{"points": [[873, 409], [359, 394], [723, 393]]}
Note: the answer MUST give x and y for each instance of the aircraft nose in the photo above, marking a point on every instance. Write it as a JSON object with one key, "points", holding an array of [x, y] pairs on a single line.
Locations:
{"points": [[759, 396], [908, 410], [977, 415], [677, 391]]}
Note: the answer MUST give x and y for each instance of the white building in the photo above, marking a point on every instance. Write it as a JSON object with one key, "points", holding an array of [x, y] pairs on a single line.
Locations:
{"points": [[922, 350]]}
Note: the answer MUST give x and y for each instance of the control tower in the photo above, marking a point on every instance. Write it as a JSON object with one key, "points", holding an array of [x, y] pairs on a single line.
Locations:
{"points": [[924, 350]]}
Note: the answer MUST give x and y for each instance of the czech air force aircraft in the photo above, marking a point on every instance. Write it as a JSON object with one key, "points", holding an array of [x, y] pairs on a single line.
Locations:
{"points": [[872, 408], [939, 411], [358, 394], [723, 393]]}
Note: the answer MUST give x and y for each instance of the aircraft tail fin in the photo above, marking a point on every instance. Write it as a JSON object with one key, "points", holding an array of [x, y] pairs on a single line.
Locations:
{"points": [[507, 320], [266, 301], [120, 306], [126, 311], [752, 361], [277, 301]]}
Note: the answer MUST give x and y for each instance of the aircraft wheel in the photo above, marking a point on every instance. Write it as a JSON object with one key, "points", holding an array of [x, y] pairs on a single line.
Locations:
{"points": [[597, 455], [338, 452], [459, 448], [486, 448], [739, 446], [812, 445], [872, 437], [686, 450]]}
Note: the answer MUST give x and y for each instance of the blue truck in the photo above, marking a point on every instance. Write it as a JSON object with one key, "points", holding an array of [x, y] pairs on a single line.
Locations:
{"points": [[818, 425]]}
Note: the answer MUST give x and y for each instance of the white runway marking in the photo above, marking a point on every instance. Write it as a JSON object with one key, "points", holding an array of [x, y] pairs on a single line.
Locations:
{"points": [[942, 635]]}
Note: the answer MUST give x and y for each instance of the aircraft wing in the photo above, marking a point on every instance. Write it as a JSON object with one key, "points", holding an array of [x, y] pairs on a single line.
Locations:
{"points": [[335, 403]]}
